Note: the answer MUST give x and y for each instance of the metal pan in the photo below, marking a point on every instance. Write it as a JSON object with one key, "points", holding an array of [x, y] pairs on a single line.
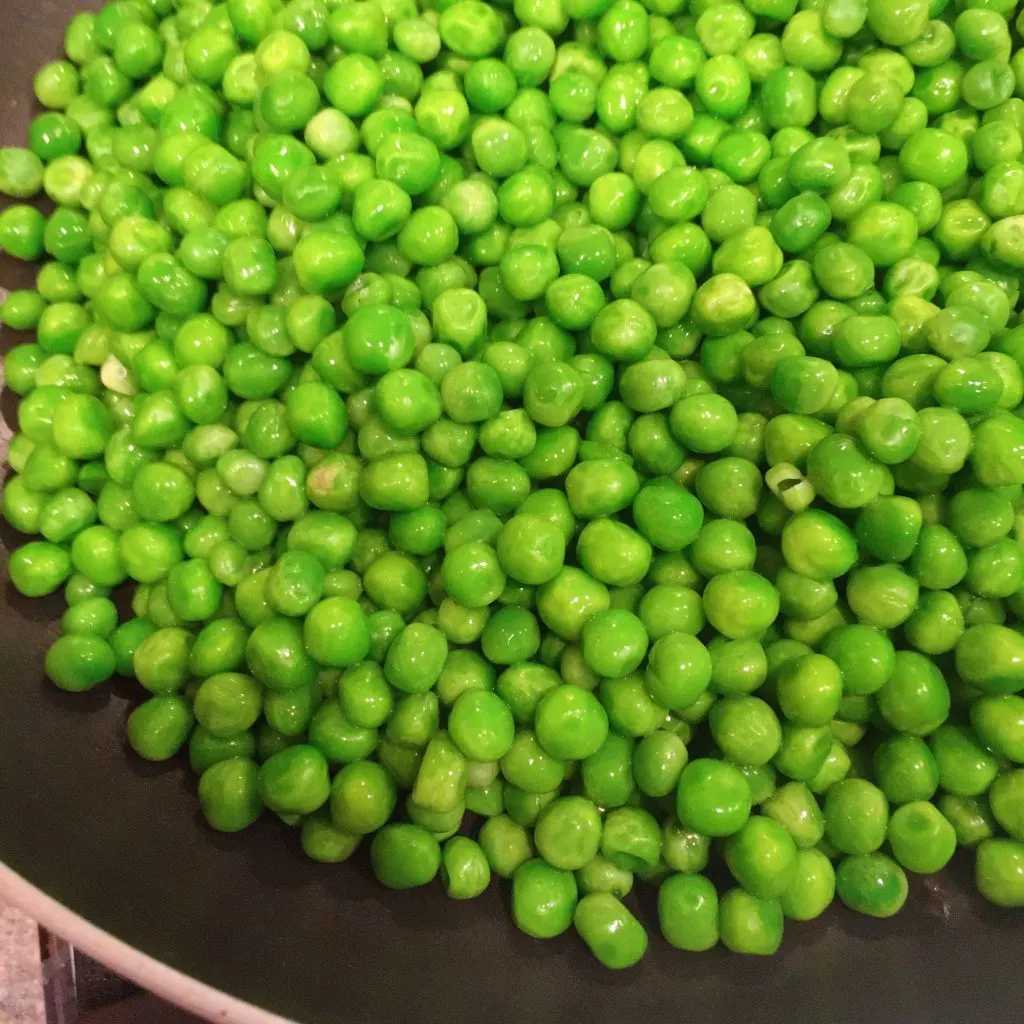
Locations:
{"points": [[112, 853]]}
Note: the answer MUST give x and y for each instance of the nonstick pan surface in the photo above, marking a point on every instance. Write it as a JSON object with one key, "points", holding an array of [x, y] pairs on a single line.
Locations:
{"points": [[120, 843]]}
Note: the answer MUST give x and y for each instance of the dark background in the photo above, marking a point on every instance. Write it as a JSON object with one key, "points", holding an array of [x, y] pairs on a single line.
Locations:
{"points": [[121, 842]]}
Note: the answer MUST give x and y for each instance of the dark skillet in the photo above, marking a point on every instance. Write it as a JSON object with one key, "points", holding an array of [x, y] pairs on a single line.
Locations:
{"points": [[120, 843]]}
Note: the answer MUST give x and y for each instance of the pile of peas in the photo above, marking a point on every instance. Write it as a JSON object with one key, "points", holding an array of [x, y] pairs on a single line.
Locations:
{"points": [[565, 440]]}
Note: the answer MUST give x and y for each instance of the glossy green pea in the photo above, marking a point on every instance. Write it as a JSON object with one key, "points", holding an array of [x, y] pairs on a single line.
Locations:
{"points": [[158, 728], [745, 729], [688, 912], [527, 766], [613, 553], [614, 642], [405, 856], [871, 884], [749, 924], [762, 857], [740, 603], [228, 794], [79, 662], [995, 719], [713, 798], [614, 936], [916, 695]]}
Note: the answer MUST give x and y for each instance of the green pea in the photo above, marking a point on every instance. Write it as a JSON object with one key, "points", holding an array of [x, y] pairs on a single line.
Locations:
{"points": [[464, 868], [749, 924], [159, 727], [611, 932], [872, 884], [79, 662]]}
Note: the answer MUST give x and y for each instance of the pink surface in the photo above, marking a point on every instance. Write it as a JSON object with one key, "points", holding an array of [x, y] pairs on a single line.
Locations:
{"points": [[21, 988]]}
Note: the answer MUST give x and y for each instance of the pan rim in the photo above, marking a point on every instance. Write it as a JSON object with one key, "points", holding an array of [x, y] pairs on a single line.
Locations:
{"points": [[155, 976]]}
